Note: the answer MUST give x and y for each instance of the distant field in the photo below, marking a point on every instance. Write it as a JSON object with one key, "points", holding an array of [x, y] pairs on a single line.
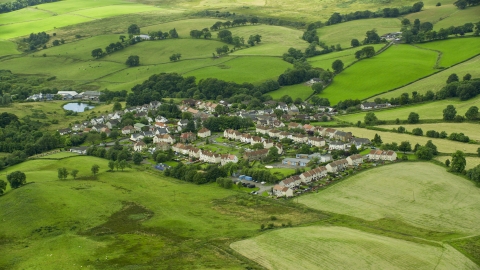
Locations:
{"points": [[276, 40], [295, 91], [438, 80], [444, 146], [183, 26], [22, 15], [252, 69], [459, 17], [471, 161], [317, 247], [346, 56], [343, 33], [8, 48], [396, 66], [114, 10], [451, 54], [431, 110], [422, 194], [469, 129], [59, 155], [433, 13]]}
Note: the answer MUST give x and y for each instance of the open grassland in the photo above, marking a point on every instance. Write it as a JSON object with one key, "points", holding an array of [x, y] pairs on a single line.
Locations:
{"points": [[431, 110], [422, 194], [438, 80], [459, 17], [343, 33], [125, 218], [342, 248], [469, 129], [302, 91], [276, 40], [346, 56], [252, 69], [8, 48], [183, 26], [396, 66], [114, 10], [156, 52], [471, 161], [433, 14], [443, 145], [450, 49], [23, 15]]}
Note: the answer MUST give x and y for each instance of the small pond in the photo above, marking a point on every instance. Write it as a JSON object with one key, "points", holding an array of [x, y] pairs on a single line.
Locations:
{"points": [[77, 107]]}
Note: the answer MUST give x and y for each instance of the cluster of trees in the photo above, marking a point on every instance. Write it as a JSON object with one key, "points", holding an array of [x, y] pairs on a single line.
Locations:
{"points": [[366, 14], [259, 175], [420, 32], [159, 35], [20, 87], [427, 151], [175, 57], [133, 61], [235, 22], [199, 33], [225, 182], [269, 21], [222, 50], [462, 4], [37, 40], [19, 4], [195, 174], [107, 95], [216, 124], [302, 71], [365, 52]]}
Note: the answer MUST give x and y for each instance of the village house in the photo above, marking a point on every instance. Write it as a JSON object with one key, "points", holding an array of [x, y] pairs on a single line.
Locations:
{"points": [[204, 133], [321, 158], [210, 157], [188, 137], [273, 133], [277, 124], [194, 152], [280, 191], [309, 128], [255, 155], [342, 136], [255, 140], [246, 138], [329, 132], [338, 146], [77, 127], [135, 137], [112, 123], [279, 147], [284, 135], [166, 138], [368, 105], [295, 162], [382, 155], [300, 138], [337, 166], [180, 148], [64, 131], [227, 158], [138, 126], [139, 146], [316, 141], [291, 182], [262, 129], [355, 160], [360, 142], [292, 125], [267, 144], [162, 146]]}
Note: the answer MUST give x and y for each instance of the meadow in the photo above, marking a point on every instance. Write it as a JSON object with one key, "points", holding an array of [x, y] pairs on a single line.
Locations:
{"points": [[451, 54], [443, 145], [117, 222], [8, 48], [438, 80], [375, 75], [469, 129], [344, 248], [421, 194], [459, 17], [430, 110]]}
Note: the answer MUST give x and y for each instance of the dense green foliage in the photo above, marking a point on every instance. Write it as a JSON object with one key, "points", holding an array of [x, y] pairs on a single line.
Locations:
{"points": [[19, 4]]}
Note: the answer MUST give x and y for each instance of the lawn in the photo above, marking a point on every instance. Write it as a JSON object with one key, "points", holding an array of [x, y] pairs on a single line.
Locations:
{"points": [[438, 80], [343, 33], [421, 194], [125, 218], [252, 69], [469, 129], [8, 48], [451, 54], [343, 248], [444, 146], [431, 110], [295, 91], [395, 67]]}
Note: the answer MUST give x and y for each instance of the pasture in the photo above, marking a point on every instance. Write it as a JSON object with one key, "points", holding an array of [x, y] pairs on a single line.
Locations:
{"points": [[437, 80], [450, 49], [471, 161], [433, 14], [396, 66], [343, 33], [421, 194], [343, 248], [253, 69], [469, 129], [302, 91], [8, 48], [444, 146], [125, 218], [459, 17], [430, 110], [346, 56]]}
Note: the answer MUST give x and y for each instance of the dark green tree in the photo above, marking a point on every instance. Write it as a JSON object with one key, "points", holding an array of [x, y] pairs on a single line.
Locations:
{"points": [[447, 163], [17, 179], [133, 61], [424, 153], [405, 146], [467, 77], [273, 154], [3, 186], [413, 118], [97, 53], [472, 113], [370, 118], [111, 165], [449, 113], [117, 106], [355, 43], [74, 173], [452, 78], [133, 29], [137, 158], [95, 168], [337, 66], [317, 88], [458, 162]]}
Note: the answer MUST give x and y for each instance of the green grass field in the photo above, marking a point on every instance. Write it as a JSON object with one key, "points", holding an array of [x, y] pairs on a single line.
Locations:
{"points": [[343, 248], [444, 146], [346, 56], [431, 110], [422, 194], [469, 129], [471, 161], [433, 13], [8, 48], [343, 33], [295, 91], [459, 17], [451, 54], [438, 80], [396, 66]]}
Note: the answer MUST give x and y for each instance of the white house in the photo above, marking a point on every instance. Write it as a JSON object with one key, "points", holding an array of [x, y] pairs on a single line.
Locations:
{"points": [[204, 133], [355, 160], [138, 146], [224, 159], [281, 191]]}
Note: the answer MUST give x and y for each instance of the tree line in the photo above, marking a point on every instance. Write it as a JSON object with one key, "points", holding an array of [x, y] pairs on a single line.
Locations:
{"points": [[420, 32], [19, 4], [256, 19]]}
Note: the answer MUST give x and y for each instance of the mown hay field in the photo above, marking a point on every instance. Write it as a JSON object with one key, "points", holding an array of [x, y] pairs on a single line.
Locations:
{"points": [[471, 161], [437, 81], [451, 54], [396, 66], [421, 194], [443, 145], [318, 247], [469, 129], [430, 110]]}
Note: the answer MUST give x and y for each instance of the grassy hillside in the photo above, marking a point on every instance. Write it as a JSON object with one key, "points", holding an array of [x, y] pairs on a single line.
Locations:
{"points": [[431, 110], [471, 161], [396, 66], [8, 48], [346, 56], [438, 80], [117, 222], [421, 194], [451, 52], [469, 129], [343, 248], [459, 17]]}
